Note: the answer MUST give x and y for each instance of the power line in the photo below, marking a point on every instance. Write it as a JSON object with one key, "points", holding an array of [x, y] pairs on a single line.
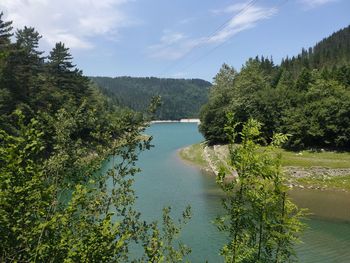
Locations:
{"points": [[250, 4], [212, 35], [221, 44]]}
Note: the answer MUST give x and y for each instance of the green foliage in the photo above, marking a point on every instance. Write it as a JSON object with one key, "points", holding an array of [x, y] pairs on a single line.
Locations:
{"points": [[213, 114], [160, 245], [304, 96], [182, 98], [333, 50], [261, 221], [56, 131], [325, 118], [5, 38], [24, 196]]}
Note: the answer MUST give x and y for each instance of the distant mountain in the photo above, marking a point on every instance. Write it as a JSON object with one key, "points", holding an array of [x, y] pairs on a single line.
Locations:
{"points": [[332, 51], [181, 98]]}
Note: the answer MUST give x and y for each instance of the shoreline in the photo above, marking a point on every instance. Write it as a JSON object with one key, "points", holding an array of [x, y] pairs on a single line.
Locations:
{"points": [[315, 177], [176, 121], [207, 160], [193, 164]]}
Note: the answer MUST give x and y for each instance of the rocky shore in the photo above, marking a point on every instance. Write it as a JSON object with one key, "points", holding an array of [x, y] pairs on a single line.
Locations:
{"points": [[214, 158]]}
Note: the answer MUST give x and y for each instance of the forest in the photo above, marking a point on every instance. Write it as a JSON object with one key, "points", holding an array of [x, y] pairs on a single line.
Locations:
{"points": [[306, 96], [56, 130], [181, 98]]}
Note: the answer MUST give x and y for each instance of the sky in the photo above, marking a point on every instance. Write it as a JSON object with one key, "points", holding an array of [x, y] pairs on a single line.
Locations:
{"points": [[176, 39]]}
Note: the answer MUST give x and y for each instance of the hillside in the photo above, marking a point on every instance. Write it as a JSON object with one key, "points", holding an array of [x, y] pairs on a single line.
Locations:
{"points": [[307, 96], [181, 98], [332, 51]]}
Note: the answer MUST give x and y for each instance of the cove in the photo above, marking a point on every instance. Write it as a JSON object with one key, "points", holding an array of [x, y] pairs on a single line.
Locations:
{"points": [[166, 180]]}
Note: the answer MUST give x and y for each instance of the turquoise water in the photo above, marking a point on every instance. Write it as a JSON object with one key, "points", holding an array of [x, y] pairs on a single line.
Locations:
{"points": [[166, 180]]}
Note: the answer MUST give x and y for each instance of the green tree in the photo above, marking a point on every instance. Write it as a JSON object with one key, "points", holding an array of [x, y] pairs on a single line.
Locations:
{"points": [[24, 63], [5, 34], [62, 209], [182, 98], [324, 118], [64, 75], [56, 132], [213, 114], [283, 97], [6, 100], [60, 60], [261, 221]]}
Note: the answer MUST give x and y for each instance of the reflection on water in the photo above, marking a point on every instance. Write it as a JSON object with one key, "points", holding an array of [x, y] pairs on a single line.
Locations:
{"points": [[331, 205], [165, 180], [325, 241], [327, 238]]}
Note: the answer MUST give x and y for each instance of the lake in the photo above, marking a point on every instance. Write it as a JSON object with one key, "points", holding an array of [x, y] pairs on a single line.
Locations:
{"points": [[166, 180]]}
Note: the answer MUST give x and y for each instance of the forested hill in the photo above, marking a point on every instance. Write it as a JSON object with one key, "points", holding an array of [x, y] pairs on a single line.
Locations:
{"points": [[330, 52], [181, 98], [307, 96]]}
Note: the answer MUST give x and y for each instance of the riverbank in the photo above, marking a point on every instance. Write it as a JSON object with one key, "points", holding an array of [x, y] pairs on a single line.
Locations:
{"points": [[177, 121], [305, 169]]}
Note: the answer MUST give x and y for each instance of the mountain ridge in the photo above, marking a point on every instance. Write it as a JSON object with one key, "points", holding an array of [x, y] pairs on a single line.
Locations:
{"points": [[181, 98]]}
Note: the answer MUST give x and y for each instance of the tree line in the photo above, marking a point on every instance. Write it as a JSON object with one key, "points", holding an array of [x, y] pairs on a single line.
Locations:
{"points": [[181, 98], [57, 130], [307, 96]]}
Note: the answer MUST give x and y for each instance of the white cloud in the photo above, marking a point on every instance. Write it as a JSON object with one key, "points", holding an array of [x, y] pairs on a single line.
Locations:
{"points": [[173, 46], [309, 4], [247, 17], [230, 9], [186, 21], [73, 22], [170, 38]]}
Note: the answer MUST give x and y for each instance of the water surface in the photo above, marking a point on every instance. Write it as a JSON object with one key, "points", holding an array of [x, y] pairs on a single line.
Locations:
{"points": [[166, 180]]}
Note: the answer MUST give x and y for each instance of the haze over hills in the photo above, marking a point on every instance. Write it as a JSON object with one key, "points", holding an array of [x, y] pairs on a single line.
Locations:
{"points": [[181, 98]]}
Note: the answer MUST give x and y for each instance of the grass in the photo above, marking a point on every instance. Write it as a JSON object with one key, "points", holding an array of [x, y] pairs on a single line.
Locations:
{"points": [[335, 182], [304, 159], [194, 154], [307, 159]]}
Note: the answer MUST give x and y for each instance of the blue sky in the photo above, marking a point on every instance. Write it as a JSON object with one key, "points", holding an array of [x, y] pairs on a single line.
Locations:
{"points": [[177, 38]]}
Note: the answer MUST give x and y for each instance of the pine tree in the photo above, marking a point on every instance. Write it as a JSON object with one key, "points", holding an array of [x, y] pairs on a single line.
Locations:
{"points": [[24, 63], [6, 100], [64, 74], [60, 60], [5, 33]]}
